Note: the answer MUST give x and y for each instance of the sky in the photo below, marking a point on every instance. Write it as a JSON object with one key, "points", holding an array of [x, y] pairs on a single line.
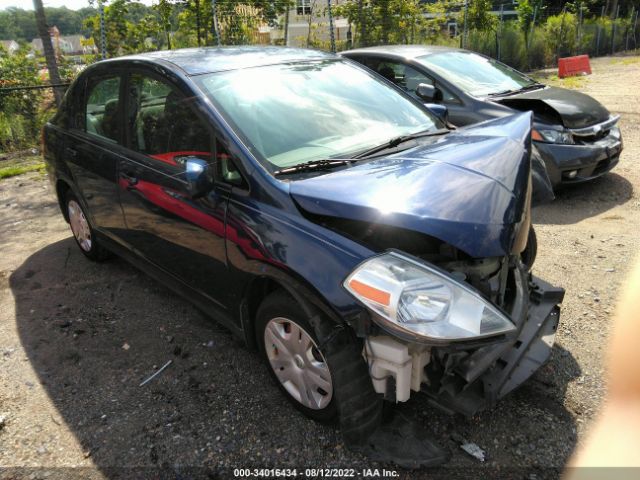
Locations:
{"points": [[71, 4]]}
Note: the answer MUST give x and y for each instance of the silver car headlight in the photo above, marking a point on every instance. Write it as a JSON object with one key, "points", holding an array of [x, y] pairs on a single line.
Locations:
{"points": [[420, 303], [550, 135]]}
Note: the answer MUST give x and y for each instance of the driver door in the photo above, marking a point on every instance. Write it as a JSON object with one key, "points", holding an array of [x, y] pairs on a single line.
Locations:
{"points": [[182, 235]]}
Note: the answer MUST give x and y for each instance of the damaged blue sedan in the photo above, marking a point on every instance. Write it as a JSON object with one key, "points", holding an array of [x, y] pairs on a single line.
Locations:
{"points": [[325, 217]]}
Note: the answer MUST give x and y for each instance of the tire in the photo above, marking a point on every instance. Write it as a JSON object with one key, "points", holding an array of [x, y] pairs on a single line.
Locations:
{"points": [[82, 231], [352, 398], [530, 252]]}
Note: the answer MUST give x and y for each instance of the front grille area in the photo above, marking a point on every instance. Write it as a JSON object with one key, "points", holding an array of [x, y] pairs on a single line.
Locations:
{"points": [[593, 133], [586, 139]]}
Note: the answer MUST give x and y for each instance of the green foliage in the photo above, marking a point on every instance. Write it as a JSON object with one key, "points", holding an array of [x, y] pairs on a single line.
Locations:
{"points": [[479, 15], [19, 24], [19, 110], [560, 31], [395, 21]]}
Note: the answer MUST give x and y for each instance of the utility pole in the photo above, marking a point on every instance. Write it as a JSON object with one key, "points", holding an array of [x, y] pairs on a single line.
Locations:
{"points": [[103, 36], [533, 24], [47, 47], [613, 30], [465, 28], [286, 26], [332, 36], [216, 29], [362, 41], [579, 31], [197, 3], [635, 29], [500, 29], [599, 31], [626, 43]]}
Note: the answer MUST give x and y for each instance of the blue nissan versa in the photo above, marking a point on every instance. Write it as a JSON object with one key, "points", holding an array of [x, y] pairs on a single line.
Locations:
{"points": [[322, 215]]}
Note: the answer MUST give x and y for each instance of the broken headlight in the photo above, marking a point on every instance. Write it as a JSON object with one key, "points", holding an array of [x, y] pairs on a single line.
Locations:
{"points": [[421, 303], [551, 135]]}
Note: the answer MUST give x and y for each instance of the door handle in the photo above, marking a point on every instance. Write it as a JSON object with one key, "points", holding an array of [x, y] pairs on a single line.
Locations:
{"points": [[70, 152], [131, 179]]}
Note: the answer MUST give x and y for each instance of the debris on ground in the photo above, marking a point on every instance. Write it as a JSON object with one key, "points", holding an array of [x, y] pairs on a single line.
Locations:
{"points": [[474, 450], [157, 373]]}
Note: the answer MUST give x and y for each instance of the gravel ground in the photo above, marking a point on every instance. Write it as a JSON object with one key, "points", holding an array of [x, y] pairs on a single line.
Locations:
{"points": [[77, 339]]}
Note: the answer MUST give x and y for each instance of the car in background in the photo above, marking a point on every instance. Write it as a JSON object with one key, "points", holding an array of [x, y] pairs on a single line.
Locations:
{"points": [[324, 216], [575, 135]]}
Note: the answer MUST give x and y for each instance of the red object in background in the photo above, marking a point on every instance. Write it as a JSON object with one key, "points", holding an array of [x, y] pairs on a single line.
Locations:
{"points": [[570, 66]]}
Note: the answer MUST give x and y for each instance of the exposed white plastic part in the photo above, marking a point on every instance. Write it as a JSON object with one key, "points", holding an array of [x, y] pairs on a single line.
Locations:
{"points": [[389, 357]]}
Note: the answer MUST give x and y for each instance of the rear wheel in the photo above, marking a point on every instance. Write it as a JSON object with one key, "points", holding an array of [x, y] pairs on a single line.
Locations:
{"points": [[82, 231]]}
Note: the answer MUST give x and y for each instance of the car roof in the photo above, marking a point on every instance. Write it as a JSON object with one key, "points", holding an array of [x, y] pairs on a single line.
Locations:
{"points": [[197, 61], [401, 51]]}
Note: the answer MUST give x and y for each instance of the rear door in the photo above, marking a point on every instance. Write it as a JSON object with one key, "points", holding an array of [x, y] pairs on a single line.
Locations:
{"points": [[93, 147], [182, 235]]}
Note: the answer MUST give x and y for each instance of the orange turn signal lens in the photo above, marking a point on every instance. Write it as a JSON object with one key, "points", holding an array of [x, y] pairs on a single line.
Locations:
{"points": [[535, 135], [370, 293]]}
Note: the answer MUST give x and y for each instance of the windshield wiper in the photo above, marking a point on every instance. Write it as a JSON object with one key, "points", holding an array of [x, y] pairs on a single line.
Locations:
{"points": [[394, 142], [532, 86], [323, 164], [503, 92]]}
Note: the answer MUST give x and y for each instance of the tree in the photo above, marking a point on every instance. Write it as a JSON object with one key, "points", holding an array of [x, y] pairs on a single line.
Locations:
{"points": [[479, 15], [391, 21], [165, 10], [47, 47]]}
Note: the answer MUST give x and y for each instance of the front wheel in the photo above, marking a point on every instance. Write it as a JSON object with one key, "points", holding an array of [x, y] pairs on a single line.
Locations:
{"points": [[289, 347], [327, 379]]}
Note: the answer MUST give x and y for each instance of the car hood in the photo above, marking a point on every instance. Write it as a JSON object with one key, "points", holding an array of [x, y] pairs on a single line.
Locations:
{"points": [[467, 188], [575, 109]]}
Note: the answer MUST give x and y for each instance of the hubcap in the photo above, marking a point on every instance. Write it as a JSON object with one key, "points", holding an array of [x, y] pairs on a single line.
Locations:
{"points": [[298, 363], [79, 225]]}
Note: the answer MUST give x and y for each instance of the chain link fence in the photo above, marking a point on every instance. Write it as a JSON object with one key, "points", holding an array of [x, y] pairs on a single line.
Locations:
{"points": [[524, 42]]}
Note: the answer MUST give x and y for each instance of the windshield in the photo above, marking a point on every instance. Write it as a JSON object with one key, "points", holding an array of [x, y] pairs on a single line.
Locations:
{"points": [[296, 113], [475, 74]]}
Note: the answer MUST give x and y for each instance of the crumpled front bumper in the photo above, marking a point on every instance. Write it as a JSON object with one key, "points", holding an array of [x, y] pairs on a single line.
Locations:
{"points": [[468, 380], [589, 160]]}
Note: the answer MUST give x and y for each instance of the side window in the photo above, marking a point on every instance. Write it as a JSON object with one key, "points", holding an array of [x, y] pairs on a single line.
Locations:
{"points": [[409, 78], [162, 124], [226, 169], [102, 110]]}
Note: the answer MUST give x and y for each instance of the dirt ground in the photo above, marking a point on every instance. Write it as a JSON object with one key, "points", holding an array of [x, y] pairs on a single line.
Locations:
{"points": [[77, 338]]}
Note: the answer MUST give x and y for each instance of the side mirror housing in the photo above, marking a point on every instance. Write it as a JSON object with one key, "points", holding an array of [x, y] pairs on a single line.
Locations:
{"points": [[440, 111], [429, 93], [198, 176]]}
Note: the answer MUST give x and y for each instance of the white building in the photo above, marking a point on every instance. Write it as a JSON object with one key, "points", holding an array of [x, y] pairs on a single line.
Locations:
{"points": [[314, 13], [10, 46]]}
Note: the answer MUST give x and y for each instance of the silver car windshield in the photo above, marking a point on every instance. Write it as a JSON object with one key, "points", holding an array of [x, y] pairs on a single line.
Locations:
{"points": [[295, 113], [476, 75]]}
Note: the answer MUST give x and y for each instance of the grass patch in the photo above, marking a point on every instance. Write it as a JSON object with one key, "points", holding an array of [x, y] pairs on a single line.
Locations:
{"points": [[628, 61], [12, 171], [568, 82]]}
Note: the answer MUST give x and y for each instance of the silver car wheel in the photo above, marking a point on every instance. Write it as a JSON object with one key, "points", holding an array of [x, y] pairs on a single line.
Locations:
{"points": [[298, 363], [79, 225]]}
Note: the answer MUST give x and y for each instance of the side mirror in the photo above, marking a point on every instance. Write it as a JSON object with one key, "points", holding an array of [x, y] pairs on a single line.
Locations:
{"points": [[440, 111], [429, 93], [198, 176]]}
